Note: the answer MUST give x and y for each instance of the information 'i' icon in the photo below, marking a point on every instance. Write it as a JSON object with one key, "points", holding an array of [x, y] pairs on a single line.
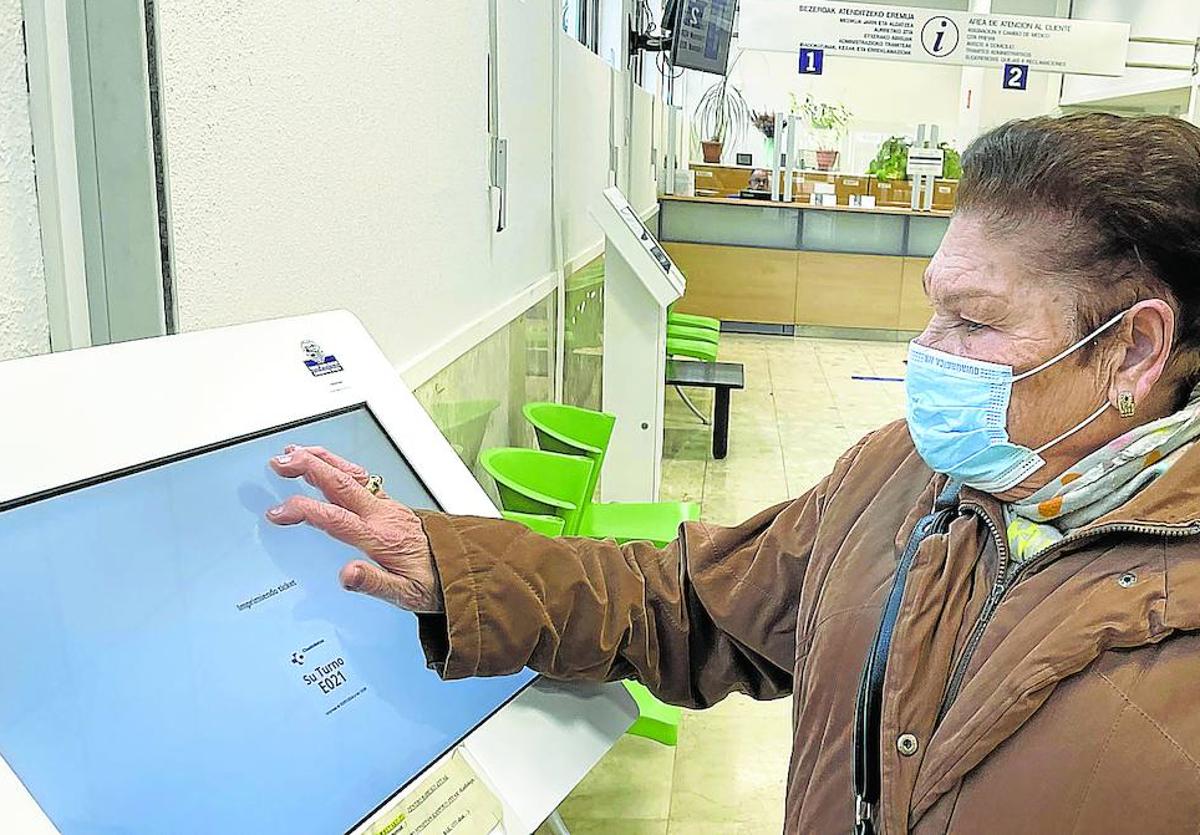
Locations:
{"points": [[939, 36]]}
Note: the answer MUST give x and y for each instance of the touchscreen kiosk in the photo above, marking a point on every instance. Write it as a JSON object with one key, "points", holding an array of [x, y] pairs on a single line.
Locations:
{"points": [[640, 281], [176, 664]]}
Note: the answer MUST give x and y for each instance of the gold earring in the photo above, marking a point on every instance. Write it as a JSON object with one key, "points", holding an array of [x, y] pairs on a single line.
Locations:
{"points": [[1125, 405]]}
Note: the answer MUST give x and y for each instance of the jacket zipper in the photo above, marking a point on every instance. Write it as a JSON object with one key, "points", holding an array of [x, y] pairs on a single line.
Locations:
{"points": [[1003, 585]]}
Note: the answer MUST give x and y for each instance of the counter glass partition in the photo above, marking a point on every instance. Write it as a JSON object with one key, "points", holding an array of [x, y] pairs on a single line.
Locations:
{"points": [[730, 225], [864, 233], [812, 229], [925, 235]]}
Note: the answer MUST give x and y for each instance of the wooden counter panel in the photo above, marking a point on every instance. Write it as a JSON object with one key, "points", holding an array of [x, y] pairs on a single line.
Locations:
{"points": [[722, 179], [742, 284], [915, 310], [848, 291]]}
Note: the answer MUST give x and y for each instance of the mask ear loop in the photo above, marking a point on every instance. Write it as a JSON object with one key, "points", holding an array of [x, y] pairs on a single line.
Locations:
{"points": [[1096, 414], [1071, 349], [1086, 422]]}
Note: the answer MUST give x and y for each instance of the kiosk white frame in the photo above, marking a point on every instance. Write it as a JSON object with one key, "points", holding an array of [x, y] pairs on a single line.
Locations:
{"points": [[74, 416], [640, 281]]}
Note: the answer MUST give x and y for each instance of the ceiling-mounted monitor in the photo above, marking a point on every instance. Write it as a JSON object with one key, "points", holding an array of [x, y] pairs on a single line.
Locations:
{"points": [[702, 31]]}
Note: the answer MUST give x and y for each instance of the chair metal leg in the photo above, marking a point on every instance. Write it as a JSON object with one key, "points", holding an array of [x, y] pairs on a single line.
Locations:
{"points": [[691, 406], [557, 825]]}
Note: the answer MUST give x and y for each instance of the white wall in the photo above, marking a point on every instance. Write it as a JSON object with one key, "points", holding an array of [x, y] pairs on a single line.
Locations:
{"points": [[23, 324], [643, 191], [584, 88], [523, 252], [335, 155], [1148, 18]]}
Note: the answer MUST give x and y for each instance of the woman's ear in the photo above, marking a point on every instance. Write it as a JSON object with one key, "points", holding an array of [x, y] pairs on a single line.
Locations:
{"points": [[1147, 334]]}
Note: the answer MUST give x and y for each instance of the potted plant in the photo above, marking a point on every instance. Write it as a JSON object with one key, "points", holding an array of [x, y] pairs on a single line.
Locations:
{"points": [[765, 122], [721, 116], [829, 123], [891, 160], [953, 167]]}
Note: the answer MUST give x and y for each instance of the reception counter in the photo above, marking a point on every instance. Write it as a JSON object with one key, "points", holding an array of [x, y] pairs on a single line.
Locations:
{"points": [[817, 269]]}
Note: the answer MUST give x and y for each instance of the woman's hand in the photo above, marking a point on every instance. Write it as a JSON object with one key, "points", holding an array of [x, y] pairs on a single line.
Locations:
{"points": [[402, 571]]}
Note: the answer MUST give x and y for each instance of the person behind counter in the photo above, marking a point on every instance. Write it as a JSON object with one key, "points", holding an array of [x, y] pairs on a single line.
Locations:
{"points": [[760, 180], [988, 616]]}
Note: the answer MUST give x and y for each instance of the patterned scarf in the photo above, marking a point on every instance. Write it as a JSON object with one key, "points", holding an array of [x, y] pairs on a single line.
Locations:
{"points": [[1101, 482]]}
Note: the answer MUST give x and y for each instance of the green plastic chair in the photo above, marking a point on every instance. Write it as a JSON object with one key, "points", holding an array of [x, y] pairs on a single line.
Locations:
{"points": [[656, 720], [539, 483], [572, 430], [692, 320], [691, 348], [697, 334], [545, 525]]}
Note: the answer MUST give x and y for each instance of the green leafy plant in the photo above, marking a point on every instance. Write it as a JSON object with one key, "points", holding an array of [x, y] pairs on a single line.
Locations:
{"points": [[722, 114], [953, 167], [829, 121], [891, 160]]}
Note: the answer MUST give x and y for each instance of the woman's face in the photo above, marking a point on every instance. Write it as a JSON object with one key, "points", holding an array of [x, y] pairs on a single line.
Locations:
{"points": [[988, 305]]}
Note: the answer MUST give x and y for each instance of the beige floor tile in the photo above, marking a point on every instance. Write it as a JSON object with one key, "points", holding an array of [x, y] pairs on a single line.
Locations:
{"points": [[682, 480], [615, 825], [674, 406], [687, 444], [732, 767], [765, 479], [633, 781], [691, 827], [806, 380]]}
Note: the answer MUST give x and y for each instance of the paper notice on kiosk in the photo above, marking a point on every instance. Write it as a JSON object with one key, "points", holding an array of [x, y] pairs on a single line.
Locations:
{"points": [[451, 800]]}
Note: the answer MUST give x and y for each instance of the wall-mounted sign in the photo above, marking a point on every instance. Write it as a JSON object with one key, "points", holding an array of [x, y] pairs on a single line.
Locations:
{"points": [[935, 36], [1015, 77], [745, 159], [812, 61], [926, 161]]}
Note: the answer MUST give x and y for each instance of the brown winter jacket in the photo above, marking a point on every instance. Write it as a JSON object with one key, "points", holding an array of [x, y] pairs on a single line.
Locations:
{"points": [[1066, 700]]}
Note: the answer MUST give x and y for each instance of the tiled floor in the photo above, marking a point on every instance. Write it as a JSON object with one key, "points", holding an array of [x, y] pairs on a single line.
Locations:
{"points": [[799, 411]]}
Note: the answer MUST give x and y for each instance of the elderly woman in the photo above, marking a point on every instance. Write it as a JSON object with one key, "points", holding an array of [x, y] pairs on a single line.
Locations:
{"points": [[987, 615]]}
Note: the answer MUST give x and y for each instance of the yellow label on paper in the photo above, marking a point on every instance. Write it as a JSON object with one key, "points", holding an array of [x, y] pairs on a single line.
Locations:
{"points": [[451, 800]]}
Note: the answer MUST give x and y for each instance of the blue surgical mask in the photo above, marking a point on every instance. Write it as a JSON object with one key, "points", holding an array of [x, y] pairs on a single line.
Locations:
{"points": [[958, 416]]}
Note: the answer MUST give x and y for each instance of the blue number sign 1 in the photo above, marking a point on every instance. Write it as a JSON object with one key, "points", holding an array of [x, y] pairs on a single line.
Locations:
{"points": [[812, 61], [1016, 76]]}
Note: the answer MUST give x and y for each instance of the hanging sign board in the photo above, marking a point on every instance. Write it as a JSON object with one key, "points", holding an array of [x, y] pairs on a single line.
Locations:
{"points": [[935, 36]]}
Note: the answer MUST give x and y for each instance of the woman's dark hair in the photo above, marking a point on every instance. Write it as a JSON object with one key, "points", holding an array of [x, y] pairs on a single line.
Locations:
{"points": [[1122, 196]]}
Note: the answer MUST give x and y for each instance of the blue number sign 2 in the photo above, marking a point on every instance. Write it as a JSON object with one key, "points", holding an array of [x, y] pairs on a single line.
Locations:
{"points": [[1016, 76]]}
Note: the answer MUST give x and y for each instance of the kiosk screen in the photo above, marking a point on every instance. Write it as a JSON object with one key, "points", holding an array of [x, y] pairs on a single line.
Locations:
{"points": [[173, 663]]}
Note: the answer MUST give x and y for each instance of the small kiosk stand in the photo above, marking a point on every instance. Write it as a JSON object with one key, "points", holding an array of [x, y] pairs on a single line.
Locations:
{"points": [[177, 664], [640, 282]]}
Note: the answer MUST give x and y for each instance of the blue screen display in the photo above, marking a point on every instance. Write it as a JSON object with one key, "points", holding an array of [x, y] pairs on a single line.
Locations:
{"points": [[174, 663]]}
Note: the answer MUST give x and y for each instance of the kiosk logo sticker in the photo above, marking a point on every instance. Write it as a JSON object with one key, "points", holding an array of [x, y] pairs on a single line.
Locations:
{"points": [[317, 361]]}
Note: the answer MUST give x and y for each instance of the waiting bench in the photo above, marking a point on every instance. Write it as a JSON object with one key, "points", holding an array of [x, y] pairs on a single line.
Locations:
{"points": [[722, 377]]}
